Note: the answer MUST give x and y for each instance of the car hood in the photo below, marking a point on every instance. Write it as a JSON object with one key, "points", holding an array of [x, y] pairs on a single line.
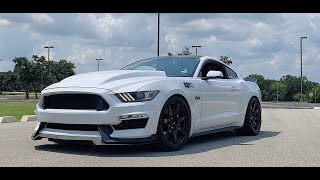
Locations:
{"points": [[115, 80]]}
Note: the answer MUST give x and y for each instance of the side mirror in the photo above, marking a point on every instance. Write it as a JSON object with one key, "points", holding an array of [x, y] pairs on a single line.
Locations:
{"points": [[213, 74]]}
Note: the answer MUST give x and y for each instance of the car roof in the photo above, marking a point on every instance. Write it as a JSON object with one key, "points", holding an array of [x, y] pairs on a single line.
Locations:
{"points": [[200, 58], [179, 56]]}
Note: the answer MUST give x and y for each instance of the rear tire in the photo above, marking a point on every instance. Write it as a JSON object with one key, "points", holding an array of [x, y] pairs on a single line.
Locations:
{"points": [[252, 122], [174, 124]]}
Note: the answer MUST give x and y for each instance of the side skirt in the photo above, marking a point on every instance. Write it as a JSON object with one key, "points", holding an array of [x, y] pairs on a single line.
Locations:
{"points": [[215, 131]]}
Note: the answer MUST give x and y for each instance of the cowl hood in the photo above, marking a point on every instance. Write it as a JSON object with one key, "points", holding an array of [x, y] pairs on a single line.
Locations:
{"points": [[115, 80]]}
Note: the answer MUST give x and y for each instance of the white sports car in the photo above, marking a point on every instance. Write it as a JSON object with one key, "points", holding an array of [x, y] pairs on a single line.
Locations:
{"points": [[163, 100]]}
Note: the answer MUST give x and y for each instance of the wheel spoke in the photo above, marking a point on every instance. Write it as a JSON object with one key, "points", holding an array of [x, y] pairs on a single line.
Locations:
{"points": [[175, 138], [179, 128], [254, 124], [176, 110], [180, 119], [256, 111], [165, 121], [166, 111], [166, 134], [170, 110]]}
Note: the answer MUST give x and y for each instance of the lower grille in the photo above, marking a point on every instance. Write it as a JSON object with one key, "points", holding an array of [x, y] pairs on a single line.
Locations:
{"points": [[74, 127], [131, 124], [75, 101]]}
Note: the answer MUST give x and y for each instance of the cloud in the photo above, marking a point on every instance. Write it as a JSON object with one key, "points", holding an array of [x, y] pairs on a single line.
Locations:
{"points": [[264, 43], [4, 22], [42, 18]]}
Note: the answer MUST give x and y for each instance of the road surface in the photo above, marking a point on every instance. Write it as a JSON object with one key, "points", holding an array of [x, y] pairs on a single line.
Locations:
{"points": [[289, 137]]}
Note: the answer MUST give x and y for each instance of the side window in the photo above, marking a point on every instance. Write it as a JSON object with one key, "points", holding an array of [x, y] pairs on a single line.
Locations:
{"points": [[231, 74], [215, 67]]}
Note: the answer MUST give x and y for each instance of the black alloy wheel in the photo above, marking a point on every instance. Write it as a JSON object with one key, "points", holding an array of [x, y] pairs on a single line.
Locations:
{"points": [[252, 122], [174, 124]]}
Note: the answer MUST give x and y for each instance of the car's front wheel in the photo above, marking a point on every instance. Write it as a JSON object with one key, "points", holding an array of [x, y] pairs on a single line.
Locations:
{"points": [[174, 124], [252, 122]]}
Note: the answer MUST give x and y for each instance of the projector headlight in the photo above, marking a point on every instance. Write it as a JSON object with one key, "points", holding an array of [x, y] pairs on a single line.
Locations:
{"points": [[137, 96]]}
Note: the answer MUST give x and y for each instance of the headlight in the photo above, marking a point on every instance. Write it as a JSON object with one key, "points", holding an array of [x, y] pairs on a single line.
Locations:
{"points": [[137, 96]]}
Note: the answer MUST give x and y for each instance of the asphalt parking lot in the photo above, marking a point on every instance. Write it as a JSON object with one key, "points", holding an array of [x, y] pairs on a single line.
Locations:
{"points": [[289, 137]]}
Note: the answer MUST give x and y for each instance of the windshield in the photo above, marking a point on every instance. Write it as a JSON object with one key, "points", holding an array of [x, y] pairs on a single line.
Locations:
{"points": [[173, 66]]}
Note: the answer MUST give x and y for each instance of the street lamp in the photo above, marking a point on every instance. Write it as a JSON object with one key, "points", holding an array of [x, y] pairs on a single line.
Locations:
{"points": [[48, 47], [99, 63], [196, 49], [301, 66], [158, 34]]}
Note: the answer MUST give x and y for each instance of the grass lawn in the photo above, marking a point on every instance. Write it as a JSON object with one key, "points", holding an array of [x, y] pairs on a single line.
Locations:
{"points": [[18, 93], [17, 109]]}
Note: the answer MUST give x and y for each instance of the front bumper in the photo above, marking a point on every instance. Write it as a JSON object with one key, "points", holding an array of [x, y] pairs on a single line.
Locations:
{"points": [[100, 137], [104, 120]]}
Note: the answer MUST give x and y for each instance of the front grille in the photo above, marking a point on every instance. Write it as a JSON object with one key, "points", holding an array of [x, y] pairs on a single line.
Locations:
{"points": [[131, 124], [75, 101], [74, 127]]}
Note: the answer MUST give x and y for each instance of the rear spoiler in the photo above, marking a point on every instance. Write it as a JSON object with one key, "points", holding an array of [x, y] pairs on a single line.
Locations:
{"points": [[250, 79]]}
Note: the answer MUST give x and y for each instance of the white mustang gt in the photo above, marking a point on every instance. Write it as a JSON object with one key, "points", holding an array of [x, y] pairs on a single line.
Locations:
{"points": [[163, 100]]}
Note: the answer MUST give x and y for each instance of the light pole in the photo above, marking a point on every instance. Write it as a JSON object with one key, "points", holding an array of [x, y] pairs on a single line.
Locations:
{"points": [[48, 47], [196, 49], [277, 93], [301, 66], [1, 60], [99, 63], [158, 34], [315, 96]]}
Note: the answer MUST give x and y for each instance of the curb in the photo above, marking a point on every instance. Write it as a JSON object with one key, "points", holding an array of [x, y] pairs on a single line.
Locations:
{"points": [[316, 108], [28, 118], [8, 119]]}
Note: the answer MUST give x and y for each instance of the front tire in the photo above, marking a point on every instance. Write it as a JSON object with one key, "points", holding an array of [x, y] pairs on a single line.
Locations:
{"points": [[252, 122], [174, 124]]}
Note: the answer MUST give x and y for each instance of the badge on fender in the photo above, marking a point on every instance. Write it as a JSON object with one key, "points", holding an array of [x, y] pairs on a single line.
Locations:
{"points": [[188, 85]]}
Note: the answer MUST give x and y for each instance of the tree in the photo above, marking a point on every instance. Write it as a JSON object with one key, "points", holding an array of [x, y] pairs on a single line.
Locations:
{"points": [[226, 60], [297, 97], [39, 73], [63, 69], [263, 84], [293, 84], [316, 94], [282, 90], [24, 69], [39, 68], [9, 82], [259, 78], [2, 85], [184, 51]]}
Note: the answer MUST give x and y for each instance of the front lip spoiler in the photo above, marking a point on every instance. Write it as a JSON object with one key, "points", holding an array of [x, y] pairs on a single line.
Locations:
{"points": [[105, 132], [35, 136]]}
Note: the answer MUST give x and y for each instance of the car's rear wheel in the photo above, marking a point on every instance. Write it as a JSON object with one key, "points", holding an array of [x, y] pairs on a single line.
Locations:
{"points": [[174, 124], [252, 122]]}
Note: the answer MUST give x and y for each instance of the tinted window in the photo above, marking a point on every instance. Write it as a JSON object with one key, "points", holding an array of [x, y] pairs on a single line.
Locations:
{"points": [[231, 74], [173, 66], [212, 66]]}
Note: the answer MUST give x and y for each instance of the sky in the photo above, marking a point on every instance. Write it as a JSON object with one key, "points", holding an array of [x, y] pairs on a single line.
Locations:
{"points": [[258, 43]]}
